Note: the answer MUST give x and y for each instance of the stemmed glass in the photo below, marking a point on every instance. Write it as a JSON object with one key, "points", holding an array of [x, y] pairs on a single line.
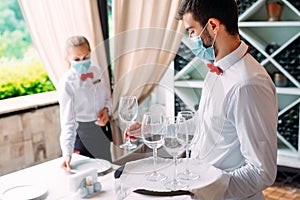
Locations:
{"points": [[128, 110], [191, 130], [174, 143], [152, 130]]}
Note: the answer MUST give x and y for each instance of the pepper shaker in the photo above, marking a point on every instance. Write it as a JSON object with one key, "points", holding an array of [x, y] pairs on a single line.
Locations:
{"points": [[89, 184]]}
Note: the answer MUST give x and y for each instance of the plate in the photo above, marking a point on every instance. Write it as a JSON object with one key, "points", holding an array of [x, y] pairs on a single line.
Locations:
{"points": [[119, 172], [99, 164], [26, 192]]}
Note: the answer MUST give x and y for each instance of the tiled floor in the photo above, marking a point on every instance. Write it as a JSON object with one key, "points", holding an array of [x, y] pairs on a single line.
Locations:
{"points": [[281, 193], [286, 186]]}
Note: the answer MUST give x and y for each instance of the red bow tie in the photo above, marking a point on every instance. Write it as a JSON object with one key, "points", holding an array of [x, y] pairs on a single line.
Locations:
{"points": [[87, 75], [213, 68]]}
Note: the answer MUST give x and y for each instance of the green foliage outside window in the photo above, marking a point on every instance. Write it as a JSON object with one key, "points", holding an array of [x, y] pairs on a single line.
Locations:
{"points": [[14, 36], [24, 79], [21, 71]]}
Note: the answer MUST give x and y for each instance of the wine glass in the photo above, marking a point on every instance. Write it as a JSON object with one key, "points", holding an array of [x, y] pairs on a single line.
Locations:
{"points": [[128, 110], [152, 130], [191, 130], [174, 143]]}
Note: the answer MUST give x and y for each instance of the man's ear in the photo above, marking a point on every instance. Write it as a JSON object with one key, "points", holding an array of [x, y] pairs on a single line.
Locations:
{"points": [[214, 24]]}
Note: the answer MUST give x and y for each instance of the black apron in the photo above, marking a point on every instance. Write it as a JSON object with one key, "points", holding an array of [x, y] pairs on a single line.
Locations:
{"points": [[92, 140]]}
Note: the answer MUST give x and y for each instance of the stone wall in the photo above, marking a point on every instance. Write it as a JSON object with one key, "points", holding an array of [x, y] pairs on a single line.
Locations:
{"points": [[29, 137]]}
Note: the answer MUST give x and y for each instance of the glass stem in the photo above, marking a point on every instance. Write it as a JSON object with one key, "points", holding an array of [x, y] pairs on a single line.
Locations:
{"points": [[127, 139], [175, 170], [187, 152], [154, 158]]}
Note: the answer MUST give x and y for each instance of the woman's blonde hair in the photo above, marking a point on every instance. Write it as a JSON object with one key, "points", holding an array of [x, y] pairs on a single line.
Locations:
{"points": [[75, 41]]}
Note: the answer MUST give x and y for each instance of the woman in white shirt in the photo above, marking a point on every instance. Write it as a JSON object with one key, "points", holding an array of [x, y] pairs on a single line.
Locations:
{"points": [[85, 104]]}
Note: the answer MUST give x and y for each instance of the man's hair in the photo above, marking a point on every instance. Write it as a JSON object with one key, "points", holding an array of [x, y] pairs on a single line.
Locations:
{"points": [[224, 10], [75, 41]]}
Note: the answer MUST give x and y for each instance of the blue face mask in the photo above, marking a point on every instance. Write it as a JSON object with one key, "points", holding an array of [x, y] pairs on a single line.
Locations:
{"points": [[81, 66], [197, 47]]}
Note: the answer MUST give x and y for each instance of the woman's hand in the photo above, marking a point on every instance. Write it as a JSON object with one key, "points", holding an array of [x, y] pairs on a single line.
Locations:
{"points": [[66, 164], [103, 117], [133, 131]]}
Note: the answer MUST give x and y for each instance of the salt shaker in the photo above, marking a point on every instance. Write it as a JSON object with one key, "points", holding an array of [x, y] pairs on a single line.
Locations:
{"points": [[89, 184]]}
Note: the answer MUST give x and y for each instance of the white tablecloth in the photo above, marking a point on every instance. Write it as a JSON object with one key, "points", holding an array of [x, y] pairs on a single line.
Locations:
{"points": [[50, 175]]}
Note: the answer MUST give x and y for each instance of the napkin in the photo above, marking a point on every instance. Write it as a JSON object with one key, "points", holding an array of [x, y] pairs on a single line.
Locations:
{"points": [[76, 179], [211, 185]]}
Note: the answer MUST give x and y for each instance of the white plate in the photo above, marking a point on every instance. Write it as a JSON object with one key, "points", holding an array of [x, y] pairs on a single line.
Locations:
{"points": [[99, 164], [26, 192]]}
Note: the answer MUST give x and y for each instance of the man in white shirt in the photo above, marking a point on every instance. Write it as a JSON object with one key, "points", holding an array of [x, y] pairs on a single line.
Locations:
{"points": [[238, 112], [237, 116]]}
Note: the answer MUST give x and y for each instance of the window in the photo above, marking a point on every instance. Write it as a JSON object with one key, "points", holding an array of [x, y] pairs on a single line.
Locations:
{"points": [[21, 71]]}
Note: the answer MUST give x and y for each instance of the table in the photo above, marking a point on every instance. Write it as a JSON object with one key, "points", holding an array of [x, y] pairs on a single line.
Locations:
{"points": [[56, 180]]}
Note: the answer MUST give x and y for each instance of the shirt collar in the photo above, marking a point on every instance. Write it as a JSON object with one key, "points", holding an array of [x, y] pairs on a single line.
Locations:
{"points": [[226, 62]]}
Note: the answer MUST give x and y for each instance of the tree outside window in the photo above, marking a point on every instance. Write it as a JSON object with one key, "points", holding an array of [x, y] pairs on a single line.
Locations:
{"points": [[21, 71]]}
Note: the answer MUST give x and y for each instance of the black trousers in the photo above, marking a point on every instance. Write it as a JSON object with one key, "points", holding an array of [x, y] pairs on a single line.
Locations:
{"points": [[93, 141]]}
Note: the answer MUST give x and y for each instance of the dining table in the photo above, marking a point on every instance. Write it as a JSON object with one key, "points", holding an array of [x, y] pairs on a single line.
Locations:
{"points": [[117, 182]]}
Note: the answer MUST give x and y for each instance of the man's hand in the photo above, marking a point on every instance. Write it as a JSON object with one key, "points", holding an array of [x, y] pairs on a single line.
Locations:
{"points": [[133, 131]]}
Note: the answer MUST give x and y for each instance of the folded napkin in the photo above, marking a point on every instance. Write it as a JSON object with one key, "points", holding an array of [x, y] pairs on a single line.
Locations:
{"points": [[211, 185]]}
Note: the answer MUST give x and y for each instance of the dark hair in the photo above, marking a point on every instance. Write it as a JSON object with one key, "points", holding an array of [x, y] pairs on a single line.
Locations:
{"points": [[224, 10]]}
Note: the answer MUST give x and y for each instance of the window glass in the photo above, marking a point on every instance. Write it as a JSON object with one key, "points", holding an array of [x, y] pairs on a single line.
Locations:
{"points": [[21, 71]]}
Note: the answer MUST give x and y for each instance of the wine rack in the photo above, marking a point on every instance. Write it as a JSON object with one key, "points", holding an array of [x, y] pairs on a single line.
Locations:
{"points": [[289, 58], [276, 45], [189, 75], [182, 58], [244, 5], [254, 52], [288, 127], [295, 3]]}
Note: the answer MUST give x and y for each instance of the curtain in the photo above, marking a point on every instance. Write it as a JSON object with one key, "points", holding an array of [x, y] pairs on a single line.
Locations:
{"points": [[51, 22], [146, 38]]}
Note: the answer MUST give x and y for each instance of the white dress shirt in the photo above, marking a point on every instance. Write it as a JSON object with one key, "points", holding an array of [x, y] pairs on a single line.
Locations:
{"points": [[80, 101], [237, 129]]}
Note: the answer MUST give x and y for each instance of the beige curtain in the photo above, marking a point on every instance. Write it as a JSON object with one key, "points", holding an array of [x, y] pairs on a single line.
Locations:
{"points": [[146, 40], [51, 22]]}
